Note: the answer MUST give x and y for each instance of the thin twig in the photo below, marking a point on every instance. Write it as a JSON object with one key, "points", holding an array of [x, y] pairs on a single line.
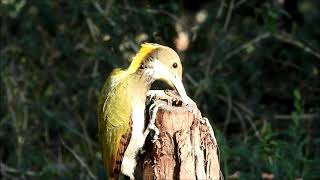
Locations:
{"points": [[290, 40], [192, 81], [159, 11], [254, 127], [103, 13], [220, 11], [154, 11], [239, 3], [12, 170], [93, 29], [288, 116], [210, 60], [240, 106], [247, 44], [229, 102], [108, 7], [78, 158], [247, 116], [283, 38], [226, 24], [242, 121], [84, 130], [244, 108]]}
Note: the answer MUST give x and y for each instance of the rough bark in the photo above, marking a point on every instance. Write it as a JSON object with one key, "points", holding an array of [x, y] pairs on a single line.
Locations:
{"points": [[186, 148]]}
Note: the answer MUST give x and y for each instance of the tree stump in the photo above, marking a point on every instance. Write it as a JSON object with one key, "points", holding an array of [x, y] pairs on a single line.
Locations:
{"points": [[186, 147]]}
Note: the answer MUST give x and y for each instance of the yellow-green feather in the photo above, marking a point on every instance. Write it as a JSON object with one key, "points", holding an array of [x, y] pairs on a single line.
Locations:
{"points": [[115, 106], [114, 114], [144, 51]]}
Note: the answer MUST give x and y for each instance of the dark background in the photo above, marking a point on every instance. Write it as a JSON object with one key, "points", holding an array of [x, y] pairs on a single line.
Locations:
{"points": [[251, 66]]}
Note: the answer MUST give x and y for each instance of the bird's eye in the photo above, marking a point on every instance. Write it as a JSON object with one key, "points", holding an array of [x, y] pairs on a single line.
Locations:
{"points": [[175, 65]]}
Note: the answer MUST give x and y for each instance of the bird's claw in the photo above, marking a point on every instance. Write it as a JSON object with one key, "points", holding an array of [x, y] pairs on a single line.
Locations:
{"points": [[156, 132], [152, 96], [142, 151], [153, 114]]}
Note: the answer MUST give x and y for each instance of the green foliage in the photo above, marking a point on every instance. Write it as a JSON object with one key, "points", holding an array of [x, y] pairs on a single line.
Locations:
{"points": [[251, 66]]}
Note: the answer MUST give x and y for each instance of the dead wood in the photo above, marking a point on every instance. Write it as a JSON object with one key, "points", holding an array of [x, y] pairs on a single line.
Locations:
{"points": [[186, 148]]}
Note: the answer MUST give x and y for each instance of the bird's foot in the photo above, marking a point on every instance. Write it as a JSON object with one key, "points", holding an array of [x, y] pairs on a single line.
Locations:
{"points": [[142, 151], [152, 124], [153, 95], [156, 132]]}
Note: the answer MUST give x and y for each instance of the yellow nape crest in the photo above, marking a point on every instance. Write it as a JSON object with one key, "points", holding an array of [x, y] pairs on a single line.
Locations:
{"points": [[145, 50]]}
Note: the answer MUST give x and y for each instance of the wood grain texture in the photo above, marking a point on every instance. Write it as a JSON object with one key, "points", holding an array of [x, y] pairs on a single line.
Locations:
{"points": [[186, 148]]}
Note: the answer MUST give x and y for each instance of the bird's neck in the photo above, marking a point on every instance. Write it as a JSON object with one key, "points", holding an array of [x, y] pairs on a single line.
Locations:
{"points": [[141, 82]]}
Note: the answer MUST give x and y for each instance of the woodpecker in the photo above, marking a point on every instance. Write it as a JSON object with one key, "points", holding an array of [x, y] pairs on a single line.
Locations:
{"points": [[121, 109]]}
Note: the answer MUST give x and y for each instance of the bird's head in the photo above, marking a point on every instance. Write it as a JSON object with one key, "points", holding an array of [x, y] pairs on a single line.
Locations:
{"points": [[160, 63]]}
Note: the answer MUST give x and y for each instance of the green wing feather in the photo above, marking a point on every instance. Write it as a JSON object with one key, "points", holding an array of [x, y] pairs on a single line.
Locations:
{"points": [[114, 116]]}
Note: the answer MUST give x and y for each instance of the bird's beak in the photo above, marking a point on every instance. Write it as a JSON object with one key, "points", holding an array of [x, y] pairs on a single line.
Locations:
{"points": [[177, 83], [173, 80]]}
